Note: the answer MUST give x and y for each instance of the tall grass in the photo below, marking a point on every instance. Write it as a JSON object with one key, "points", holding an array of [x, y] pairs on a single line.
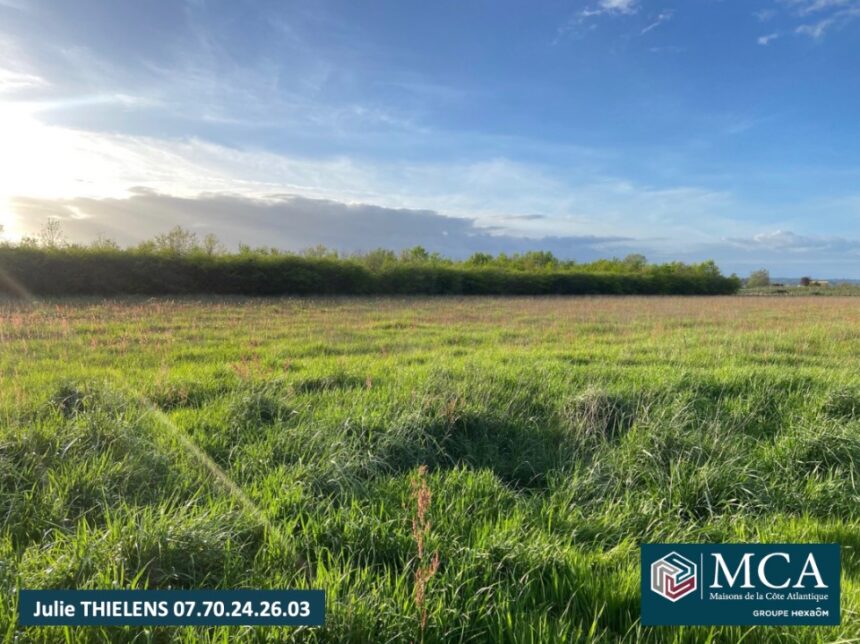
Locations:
{"points": [[244, 443], [427, 565]]}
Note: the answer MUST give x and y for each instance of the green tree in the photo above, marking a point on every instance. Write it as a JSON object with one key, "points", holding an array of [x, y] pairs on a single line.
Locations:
{"points": [[104, 243], [480, 259], [415, 255], [320, 252], [378, 259], [51, 234], [539, 260], [759, 278], [212, 246], [176, 241], [635, 262]]}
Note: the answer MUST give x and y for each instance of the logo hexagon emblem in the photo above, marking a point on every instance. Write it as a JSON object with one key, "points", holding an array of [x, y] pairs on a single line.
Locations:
{"points": [[673, 577]]}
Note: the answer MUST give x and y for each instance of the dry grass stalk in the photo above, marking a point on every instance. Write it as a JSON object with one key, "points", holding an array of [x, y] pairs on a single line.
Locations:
{"points": [[421, 526]]}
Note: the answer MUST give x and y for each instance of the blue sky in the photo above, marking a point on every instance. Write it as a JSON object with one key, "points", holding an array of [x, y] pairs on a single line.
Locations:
{"points": [[722, 129]]}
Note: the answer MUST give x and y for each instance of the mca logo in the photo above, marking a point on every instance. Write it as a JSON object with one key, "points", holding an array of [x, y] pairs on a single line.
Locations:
{"points": [[673, 577]]}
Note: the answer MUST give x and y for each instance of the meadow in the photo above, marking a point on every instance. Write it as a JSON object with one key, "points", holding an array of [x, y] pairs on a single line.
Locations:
{"points": [[279, 443]]}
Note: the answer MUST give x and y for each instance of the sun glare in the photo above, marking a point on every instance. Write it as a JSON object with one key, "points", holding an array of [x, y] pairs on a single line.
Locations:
{"points": [[39, 160]]}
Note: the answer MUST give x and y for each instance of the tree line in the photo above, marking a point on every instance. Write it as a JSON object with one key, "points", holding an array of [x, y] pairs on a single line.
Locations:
{"points": [[182, 262]]}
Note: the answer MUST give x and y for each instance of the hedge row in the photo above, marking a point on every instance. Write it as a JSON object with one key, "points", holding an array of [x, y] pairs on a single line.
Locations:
{"points": [[90, 272]]}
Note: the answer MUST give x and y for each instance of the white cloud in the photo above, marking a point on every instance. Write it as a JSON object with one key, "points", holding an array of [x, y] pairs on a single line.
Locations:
{"points": [[668, 49], [53, 162], [787, 241], [824, 5], [766, 40], [764, 15], [619, 6], [14, 81], [292, 222], [582, 22], [828, 14], [610, 7], [664, 16], [816, 30]]}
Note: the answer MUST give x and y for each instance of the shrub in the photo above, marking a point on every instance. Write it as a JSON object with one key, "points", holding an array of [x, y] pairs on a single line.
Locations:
{"points": [[758, 278], [106, 270]]}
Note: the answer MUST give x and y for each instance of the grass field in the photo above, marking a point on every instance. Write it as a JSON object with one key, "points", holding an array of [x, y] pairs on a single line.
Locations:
{"points": [[837, 290], [274, 443]]}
